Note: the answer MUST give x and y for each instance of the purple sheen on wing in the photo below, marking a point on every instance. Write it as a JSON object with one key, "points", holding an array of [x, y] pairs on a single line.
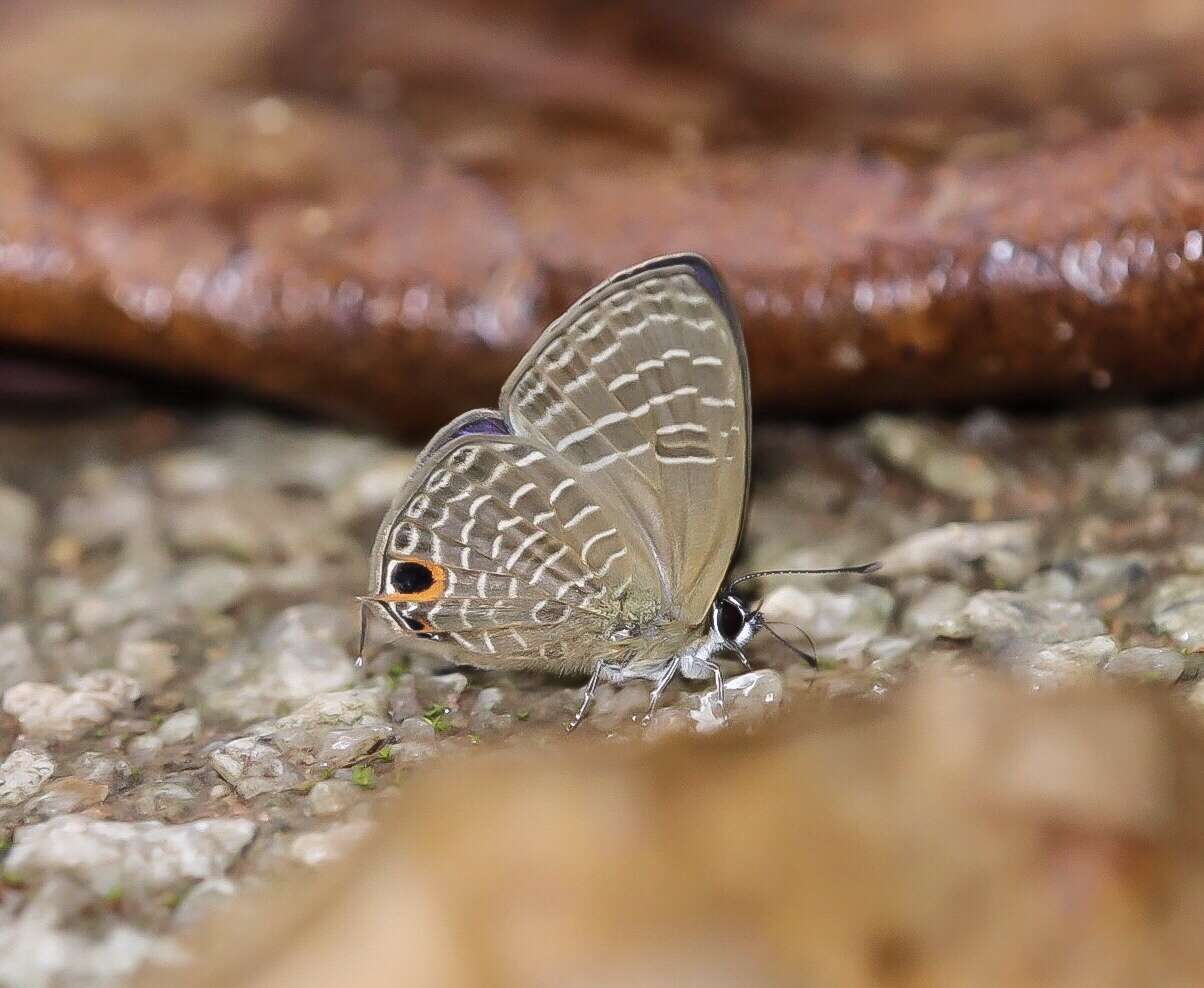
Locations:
{"points": [[486, 425]]}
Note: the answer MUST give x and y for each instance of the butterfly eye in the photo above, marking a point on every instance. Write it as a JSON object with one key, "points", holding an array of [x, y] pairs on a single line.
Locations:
{"points": [[728, 618], [417, 580]]}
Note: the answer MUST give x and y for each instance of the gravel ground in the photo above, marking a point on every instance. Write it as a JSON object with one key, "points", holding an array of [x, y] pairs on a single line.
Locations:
{"points": [[183, 717]]}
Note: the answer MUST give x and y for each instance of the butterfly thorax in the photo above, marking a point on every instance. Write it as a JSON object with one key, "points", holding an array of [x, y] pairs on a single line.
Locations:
{"points": [[631, 613]]}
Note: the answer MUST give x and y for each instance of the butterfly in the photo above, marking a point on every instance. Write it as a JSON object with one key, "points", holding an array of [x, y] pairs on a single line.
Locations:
{"points": [[586, 525]]}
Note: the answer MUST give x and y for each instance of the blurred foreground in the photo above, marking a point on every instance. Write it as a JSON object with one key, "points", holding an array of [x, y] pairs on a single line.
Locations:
{"points": [[964, 833]]}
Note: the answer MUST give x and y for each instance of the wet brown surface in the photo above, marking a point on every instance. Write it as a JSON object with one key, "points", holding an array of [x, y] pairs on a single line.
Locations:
{"points": [[372, 212]]}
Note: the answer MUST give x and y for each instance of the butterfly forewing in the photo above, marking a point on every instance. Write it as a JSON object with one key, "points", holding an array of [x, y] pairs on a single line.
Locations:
{"points": [[643, 387]]}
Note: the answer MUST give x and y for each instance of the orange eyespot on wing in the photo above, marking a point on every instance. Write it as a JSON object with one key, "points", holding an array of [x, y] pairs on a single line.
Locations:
{"points": [[414, 580], [417, 624]]}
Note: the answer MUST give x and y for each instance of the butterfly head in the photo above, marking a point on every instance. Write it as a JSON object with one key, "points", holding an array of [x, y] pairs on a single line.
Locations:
{"points": [[733, 625], [732, 622]]}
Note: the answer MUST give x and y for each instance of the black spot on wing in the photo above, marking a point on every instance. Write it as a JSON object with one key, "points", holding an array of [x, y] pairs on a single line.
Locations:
{"points": [[411, 578]]}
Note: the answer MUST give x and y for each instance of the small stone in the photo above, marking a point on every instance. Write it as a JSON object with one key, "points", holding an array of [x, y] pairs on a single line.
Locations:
{"points": [[54, 596], [996, 617], [164, 799], [332, 796], [1191, 557], [253, 767], [938, 604], [1150, 665], [753, 696], [56, 938], [1185, 460], [484, 716], [19, 520], [368, 492], [828, 615], [947, 550], [403, 699], [216, 523], [667, 722], [202, 899], [415, 741], [1107, 575], [212, 585], [444, 691], [183, 725], [142, 749], [851, 651], [1129, 483], [1054, 583], [143, 856], [1009, 567], [110, 506], [417, 729], [706, 712], [17, 662], [152, 663], [67, 795], [345, 708], [886, 652], [333, 729], [1064, 662], [22, 774], [64, 552], [132, 590], [617, 705], [1177, 610], [328, 845], [298, 655], [47, 710], [98, 766], [336, 748], [931, 457], [321, 459], [257, 524], [189, 472]]}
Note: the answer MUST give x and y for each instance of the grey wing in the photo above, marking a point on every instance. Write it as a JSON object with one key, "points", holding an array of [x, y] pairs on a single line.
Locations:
{"points": [[643, 386], [498, 549]]}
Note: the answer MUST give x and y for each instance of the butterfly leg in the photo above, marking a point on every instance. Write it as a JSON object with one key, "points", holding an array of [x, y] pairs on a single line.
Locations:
{"points": [[588, 698], [658, 690], [717, 673]]}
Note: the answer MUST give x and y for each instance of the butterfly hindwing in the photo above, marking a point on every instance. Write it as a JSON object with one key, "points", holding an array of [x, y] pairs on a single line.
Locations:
{"points": [[643, 387], [498, 548]]}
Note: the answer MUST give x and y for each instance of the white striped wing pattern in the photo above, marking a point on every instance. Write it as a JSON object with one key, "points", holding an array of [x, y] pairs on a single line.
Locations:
{"points": [[643, 386], [606, 497]]}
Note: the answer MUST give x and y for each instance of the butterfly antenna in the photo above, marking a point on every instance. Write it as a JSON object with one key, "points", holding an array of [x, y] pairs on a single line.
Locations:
{"points": [[359, 656], [863, 569], [808, 657]]}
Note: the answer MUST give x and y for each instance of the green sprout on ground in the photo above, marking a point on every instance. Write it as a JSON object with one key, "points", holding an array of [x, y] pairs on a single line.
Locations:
{"points": [[364, 776], [436, 716]]}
